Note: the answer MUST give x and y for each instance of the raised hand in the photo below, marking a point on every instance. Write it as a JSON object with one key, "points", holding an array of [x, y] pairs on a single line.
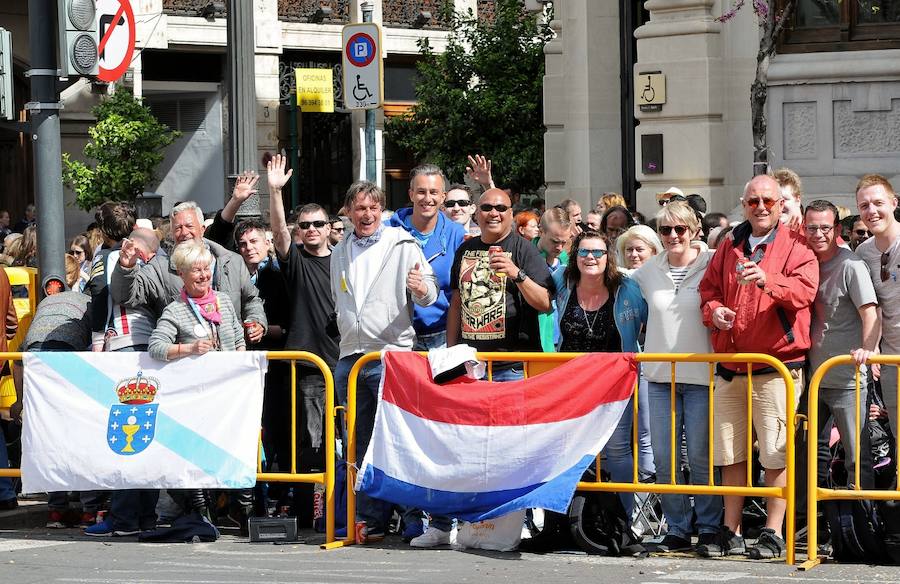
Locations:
{"points": [[276, 175], [245, 186], [129, 254], [479, 170]]}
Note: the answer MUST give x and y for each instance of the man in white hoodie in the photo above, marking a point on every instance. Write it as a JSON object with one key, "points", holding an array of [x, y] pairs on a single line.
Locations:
{"points": [[377, 273]]}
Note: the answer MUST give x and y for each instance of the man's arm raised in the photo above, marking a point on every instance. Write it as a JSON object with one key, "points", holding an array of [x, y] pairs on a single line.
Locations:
{"points": [[277, 179]]}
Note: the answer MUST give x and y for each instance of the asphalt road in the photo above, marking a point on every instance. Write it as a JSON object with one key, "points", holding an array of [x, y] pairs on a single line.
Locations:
{"points": [[44, 556]]}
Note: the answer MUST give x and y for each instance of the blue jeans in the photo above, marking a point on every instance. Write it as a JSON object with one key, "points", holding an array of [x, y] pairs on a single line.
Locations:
{"points": [[133, 509], [646, 466], [436, 340], [372, 511], [512, 374], [691, 425]]}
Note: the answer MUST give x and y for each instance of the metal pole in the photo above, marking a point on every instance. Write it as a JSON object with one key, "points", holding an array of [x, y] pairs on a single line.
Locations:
{"points": [[45, 137], [240, 56], [293, 114], [370, 115]]}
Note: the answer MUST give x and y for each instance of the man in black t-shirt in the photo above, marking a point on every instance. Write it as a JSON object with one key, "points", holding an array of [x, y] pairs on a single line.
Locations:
{"points": [[306, 271], [498, 295]]}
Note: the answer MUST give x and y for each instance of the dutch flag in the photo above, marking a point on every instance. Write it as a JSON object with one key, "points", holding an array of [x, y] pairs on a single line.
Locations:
{"points": [[476, 450]]}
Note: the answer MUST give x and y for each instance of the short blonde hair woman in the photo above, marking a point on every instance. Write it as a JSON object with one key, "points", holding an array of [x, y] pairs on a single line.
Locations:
{"points": [[202, 319], [636, 246]]}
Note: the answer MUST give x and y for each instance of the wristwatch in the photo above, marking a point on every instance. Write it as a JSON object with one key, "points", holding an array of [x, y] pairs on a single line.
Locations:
{"points": [[520, 277]]}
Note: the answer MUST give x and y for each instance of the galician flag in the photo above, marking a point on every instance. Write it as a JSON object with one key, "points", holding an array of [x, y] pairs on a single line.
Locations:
{"points": [[478, 450], [126, 421]]}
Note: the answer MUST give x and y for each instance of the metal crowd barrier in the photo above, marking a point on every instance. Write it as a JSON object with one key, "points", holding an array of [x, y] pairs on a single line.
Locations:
{"points": [[816, 493], [536, 363], [326, 477]]}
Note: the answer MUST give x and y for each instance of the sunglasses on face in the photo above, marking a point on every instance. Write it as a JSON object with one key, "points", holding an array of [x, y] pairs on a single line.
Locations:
{"points": [[498, 208], [338, 229], [885, 272], [597, 253], [757, 201], [456, 202], [825, 229], [666, 230], [862, 233], [316, 224]]}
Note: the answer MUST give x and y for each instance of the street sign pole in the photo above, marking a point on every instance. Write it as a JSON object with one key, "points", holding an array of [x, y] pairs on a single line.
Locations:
{"points": [[44, 113], [370, 116]]}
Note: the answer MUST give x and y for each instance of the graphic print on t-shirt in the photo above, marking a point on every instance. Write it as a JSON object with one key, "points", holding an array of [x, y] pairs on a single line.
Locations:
{"points": [[483, 297]]}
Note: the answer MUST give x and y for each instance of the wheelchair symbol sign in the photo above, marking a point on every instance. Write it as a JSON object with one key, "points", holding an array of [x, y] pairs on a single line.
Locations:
{"points": [[361, 49]]}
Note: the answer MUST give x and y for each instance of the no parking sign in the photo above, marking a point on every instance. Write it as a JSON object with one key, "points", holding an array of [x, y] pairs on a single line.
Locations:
{"points": [[117, 38], [363, 72]]}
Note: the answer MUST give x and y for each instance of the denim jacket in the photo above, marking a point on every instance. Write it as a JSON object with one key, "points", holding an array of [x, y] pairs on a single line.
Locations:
{"points": [[629, 311]]}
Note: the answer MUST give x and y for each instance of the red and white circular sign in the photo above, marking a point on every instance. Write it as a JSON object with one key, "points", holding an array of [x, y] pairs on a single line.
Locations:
{"points": [[115, 19]]}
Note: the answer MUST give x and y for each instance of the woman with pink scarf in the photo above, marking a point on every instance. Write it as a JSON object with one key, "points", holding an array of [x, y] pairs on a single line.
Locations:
{"points": [[202, 319]]}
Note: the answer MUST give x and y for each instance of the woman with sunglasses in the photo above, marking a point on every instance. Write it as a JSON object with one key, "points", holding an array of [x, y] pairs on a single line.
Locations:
{"points": [[83, 253], [669, 282], [601, 310]]}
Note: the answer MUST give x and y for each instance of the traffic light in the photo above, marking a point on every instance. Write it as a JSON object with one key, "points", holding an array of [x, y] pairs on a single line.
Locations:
{"points": [[7, 104], [79, 37]]}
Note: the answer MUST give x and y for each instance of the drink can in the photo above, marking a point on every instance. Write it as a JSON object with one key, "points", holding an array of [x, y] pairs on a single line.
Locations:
{"points": [[360, 532], [101, 516], [285, 511], [491, 251], [248, 324], [318, 505], [739, 271]]}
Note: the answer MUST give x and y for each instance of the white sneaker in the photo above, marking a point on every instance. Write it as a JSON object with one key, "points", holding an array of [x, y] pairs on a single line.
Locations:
{"points": [[432, 537]]}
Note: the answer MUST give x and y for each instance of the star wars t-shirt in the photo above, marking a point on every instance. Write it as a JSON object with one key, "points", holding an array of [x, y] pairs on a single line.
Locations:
{"points": [[495, 315]]}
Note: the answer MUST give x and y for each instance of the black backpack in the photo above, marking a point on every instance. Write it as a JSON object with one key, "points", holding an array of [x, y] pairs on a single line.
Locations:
{"points": [[856, 531], [598, 523]]}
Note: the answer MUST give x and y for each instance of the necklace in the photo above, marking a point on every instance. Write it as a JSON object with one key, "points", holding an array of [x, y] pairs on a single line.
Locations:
{"points": [[592, 322]]}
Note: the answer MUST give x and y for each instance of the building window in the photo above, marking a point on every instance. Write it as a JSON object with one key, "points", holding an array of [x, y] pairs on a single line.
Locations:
{"points": [[842, 25]]}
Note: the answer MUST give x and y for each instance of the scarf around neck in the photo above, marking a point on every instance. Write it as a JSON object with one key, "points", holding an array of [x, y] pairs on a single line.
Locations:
{"points": [[364, 242], [207, 306]]}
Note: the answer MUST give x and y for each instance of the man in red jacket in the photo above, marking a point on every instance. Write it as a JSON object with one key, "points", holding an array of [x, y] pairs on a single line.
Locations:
{"points": [[756, 297]]}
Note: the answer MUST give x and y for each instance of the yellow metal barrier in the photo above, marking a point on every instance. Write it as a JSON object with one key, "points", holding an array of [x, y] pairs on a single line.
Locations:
{"points": [[326, 478], [814, 492], [21, 279], [536, 363]]}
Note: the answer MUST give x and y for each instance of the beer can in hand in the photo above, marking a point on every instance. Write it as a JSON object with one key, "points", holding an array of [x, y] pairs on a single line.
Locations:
{"points": [[495, 249]]}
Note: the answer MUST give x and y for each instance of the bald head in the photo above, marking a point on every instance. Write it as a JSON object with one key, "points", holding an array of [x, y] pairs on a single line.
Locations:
{"points": [[146, 241], [495, 195], [762, 183], [762, 203]]}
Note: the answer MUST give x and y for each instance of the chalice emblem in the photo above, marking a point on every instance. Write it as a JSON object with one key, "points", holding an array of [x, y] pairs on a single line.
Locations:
{"points": [[132, 422]]}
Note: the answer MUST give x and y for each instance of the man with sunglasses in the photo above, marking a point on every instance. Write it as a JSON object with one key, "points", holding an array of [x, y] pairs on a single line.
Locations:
{"points": [[756, 297], [500, 283], [310, 306], [858, 233], [459, 208], [877, 201], [336, 233]]}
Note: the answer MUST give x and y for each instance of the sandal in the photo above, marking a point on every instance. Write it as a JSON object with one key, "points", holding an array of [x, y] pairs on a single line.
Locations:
{"points": [[768, 547]]}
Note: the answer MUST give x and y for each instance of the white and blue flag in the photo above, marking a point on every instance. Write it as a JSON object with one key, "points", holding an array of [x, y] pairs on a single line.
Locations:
{"points": [[126, 421]]}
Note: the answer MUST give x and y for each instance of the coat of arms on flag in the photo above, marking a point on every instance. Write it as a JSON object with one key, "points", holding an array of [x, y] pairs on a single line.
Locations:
{"points": [[132, 421]]}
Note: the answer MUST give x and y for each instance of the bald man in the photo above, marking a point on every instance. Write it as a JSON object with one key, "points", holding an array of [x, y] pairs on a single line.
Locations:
{"points": [[756, 297]]}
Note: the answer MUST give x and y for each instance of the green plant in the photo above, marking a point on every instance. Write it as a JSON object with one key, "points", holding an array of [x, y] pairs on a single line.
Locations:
{"points": [[482, 95], [128, 143]]}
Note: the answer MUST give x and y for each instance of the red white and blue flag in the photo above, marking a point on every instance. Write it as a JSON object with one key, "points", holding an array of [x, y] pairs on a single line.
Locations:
{"points": [[477, 450]]}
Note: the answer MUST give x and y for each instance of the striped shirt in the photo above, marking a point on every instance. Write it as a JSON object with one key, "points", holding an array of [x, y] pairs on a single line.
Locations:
{"points": [[678, 273]]}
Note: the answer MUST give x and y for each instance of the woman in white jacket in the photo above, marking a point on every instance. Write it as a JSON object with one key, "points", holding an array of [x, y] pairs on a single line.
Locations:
{"points": [[669, 283]]}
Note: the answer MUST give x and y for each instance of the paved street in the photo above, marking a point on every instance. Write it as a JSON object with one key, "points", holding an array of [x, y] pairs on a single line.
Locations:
{"points": [[41, 556]]}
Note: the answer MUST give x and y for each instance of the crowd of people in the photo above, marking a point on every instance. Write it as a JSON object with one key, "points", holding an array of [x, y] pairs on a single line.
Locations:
{"points": [[478, 266]]}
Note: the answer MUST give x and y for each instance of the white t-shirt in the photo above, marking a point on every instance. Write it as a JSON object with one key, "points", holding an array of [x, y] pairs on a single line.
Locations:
{"points": [[888, 291]]}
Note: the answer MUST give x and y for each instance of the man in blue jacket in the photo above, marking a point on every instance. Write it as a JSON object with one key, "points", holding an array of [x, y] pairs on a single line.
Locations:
{"points": [[438, 237]]}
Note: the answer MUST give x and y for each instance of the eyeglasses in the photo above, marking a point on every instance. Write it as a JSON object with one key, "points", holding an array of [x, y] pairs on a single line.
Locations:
{"points": [[667, 230], [885, 272], [597, 253], [672, 199], [76, 252], [862, 232], [757, 201], [316, 224], [338, 229], [456, 202], [488, 208], [825, 229]]}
